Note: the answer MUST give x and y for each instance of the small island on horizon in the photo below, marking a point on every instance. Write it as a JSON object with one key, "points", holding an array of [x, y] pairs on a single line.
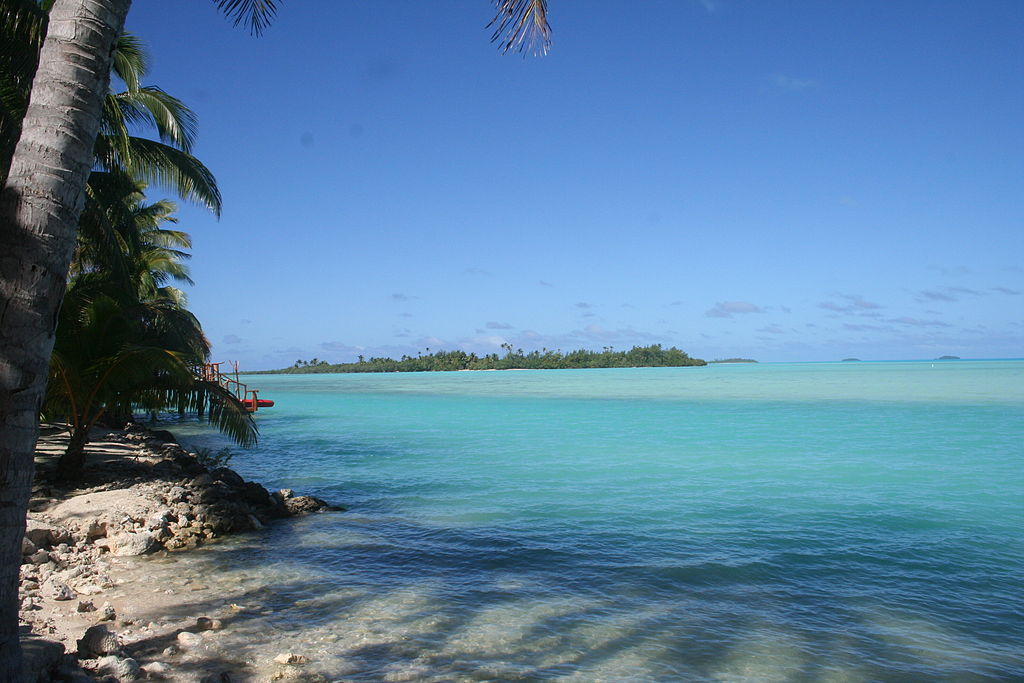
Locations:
{"points": [[653, 356], [733, 360], [948, 358], [851, 360]]}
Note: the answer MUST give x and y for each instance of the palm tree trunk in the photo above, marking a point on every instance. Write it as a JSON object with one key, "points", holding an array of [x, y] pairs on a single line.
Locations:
{"points": [[39, 208], [69, 467]]}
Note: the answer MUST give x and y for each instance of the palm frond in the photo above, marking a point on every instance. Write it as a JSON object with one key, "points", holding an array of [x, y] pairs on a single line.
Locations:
{"points": [[165, 266], [111, 356], [522, 26], [176, 296], [228, 414], [158, 164], [22, 29], [101, 240], [170, 240], [257, 14], [175, 123], [222, 408], [131, 60]]}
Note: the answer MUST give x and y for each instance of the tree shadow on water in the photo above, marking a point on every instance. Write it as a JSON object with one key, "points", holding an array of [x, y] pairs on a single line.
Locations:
{"points": [[375, 600]]}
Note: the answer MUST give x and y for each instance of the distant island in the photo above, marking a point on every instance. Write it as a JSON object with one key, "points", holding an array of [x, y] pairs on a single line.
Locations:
{"points": [[849, 360], [733, 360], [653, 356], [948, 358]]}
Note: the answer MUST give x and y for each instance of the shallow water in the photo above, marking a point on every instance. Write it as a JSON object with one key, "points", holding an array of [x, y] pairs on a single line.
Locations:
{"points": [[845, 521]]}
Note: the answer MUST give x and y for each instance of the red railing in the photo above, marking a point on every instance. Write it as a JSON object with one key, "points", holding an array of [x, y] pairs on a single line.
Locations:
{"points": [[211, 372]]}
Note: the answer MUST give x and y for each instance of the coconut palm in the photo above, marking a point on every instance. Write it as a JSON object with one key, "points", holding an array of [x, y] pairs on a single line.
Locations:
{"points": [[166, 162], [125, 338], [110, 358]]}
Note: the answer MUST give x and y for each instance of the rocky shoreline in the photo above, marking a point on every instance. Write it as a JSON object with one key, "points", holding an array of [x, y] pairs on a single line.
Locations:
{"points": [[140, 494]]}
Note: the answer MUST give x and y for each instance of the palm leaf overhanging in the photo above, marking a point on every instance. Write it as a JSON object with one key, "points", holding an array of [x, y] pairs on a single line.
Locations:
{"points": [[166, 163], [256, 14], [161, 165], [522, 26]]}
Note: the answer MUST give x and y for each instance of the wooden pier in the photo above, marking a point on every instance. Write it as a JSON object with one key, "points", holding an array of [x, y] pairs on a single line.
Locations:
{"points": [[249, 398]]}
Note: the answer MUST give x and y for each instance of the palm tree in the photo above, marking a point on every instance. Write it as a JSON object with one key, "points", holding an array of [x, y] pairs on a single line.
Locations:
{"points": [[166, 162], [40, 202], [124, 338], [110, 228], [110, 358]]}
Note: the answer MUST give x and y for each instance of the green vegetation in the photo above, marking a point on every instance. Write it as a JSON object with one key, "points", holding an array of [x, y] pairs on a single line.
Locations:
{"points": [[212, 459], [125, 340], [545, 359], [733, 360]]}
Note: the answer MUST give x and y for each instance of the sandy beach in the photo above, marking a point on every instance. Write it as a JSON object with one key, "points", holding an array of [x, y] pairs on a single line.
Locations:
{"points": [[105, 591]]}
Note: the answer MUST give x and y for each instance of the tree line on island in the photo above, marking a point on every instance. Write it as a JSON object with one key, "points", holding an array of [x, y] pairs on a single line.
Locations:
{"points": [[653, 356]]}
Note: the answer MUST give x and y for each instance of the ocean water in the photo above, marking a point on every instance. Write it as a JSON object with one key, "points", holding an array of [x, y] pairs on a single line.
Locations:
{"points": [[770, 522]]}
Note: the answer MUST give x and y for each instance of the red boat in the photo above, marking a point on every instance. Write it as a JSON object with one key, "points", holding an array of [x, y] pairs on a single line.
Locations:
{"points": [[260, 402]]}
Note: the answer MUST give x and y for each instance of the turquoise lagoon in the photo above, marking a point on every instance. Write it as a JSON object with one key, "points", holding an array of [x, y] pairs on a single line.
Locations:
{"points": [[775, 522]]}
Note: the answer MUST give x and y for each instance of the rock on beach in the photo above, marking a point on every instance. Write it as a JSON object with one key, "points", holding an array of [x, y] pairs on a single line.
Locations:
{"points": [[160, 497]]}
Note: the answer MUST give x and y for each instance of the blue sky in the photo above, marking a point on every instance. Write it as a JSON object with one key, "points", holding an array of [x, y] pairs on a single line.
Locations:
{"points": [[784, 181]]}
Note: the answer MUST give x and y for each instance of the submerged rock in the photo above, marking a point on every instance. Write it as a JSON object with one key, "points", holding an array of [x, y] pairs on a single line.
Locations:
{"points": [[300, 505]]}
